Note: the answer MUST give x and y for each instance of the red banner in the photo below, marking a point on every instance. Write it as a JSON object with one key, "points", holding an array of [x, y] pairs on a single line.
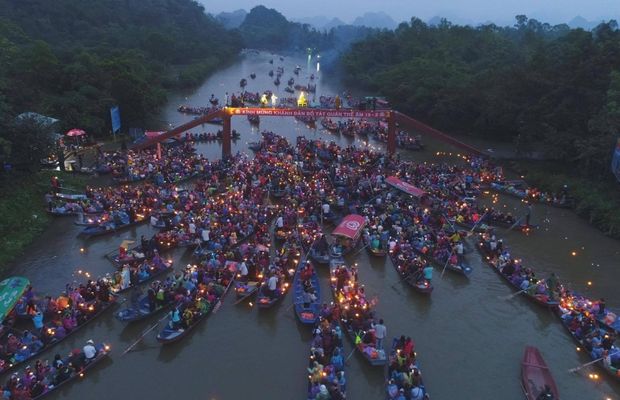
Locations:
{"points": [[405, 187], [351, 226], [307, 112]]}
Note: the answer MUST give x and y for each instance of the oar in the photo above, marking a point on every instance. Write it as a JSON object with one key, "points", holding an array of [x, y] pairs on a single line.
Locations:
{"points": [[513, 295], [134, 344], [251, 292], [357, 252], [479, 221], [515, 224], [519, 292], [219, 302], [591, 362], [350, 354], [447, 262]]}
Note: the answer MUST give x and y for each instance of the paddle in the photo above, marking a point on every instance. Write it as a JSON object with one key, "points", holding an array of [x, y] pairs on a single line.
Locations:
{"points": [[219, 302], [447, 262], [519, 292], [591, 362], [479, 221], [350, 354], [515, 224], [134, 344], [357, 252], [251, 292]]}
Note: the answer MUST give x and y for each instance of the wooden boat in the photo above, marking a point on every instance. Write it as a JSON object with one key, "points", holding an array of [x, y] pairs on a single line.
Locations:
{"points": [[172, 334], [539, 299], [68, 196], [392, 384], [108, 227], [11, 292], [378, 252], [347, 235], [141, 310], [460, 268], [102, 352], [319, 257], [88, 219], [377, 357], [307, 313], [421, 286], [49, 335], [536, 377], [330, 125], [317, 354], [264, 300], [153, 273]]}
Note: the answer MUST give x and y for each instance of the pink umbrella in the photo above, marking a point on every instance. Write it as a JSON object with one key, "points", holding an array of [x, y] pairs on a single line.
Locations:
{"points": [[75, 132]]}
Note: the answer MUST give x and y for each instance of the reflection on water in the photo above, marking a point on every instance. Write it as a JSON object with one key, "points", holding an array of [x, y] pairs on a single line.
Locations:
{"points": [[469, 339]]}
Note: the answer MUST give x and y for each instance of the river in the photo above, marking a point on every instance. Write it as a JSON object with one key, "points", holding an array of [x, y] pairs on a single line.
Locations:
{"points": [[469, 339]]}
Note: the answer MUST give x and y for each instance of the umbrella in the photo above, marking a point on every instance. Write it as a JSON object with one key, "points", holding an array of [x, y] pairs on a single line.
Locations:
{"points": [[75, 132]]}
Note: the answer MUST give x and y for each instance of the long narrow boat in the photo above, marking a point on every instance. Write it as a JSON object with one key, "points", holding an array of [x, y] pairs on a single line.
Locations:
{"points": [[488, 257], [307, 313], [141, 310], [154, 272], [51, 335], [11, 291], [172, 333], [347, 235], [76, 374], [377, 252], [594, 339], [404, 353], [326, 366], [460, 268], [108, 227], [354, 309], [536, 378], [400, 263]]}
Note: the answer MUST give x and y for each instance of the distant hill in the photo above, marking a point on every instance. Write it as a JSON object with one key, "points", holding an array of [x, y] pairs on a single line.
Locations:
{"points": [[334, 23], [321, 22], [378, 20], [232, 20], [581, 22]]}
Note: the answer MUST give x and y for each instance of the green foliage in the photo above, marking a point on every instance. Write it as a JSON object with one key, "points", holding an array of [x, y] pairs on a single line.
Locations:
{"points": [[545, 88], [22, 218], [25, 143], [73, 59]]}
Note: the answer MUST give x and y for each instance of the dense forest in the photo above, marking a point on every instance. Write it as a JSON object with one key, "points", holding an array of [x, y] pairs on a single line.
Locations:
{"points": [[73, 59], [551, 90]]}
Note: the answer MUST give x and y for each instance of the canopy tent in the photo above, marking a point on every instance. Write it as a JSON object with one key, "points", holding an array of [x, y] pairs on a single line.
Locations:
{"points": [[350, 227], [405, 187], [11, 291], [75, 132], [153, 134]]}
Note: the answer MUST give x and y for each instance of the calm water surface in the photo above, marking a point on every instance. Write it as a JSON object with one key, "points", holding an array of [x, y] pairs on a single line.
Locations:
{"points": [[469, 338]]}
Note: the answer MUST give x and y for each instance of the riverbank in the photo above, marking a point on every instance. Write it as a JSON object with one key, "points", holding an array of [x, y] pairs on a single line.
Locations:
{"points": [[596, 201], [22, 212]]}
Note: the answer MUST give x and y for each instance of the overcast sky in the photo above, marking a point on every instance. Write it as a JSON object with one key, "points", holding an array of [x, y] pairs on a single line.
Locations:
{"points": [[475, 11]]}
